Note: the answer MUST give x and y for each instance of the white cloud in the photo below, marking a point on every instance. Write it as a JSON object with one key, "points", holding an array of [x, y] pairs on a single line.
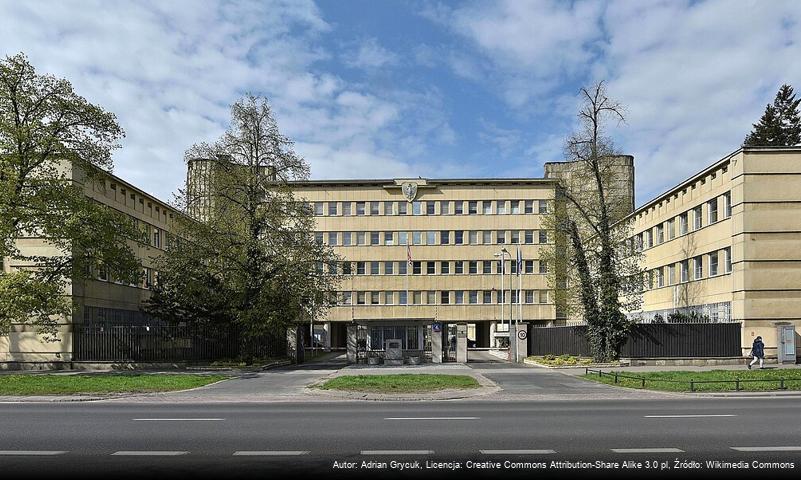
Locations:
{"points": [[370, 54]]}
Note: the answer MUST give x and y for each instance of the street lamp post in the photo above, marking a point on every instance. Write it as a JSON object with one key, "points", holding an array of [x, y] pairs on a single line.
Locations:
{"points": [[512, 344]]}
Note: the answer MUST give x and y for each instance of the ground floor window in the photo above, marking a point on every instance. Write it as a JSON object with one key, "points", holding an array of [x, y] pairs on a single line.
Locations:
{"points": [[408, 335]]}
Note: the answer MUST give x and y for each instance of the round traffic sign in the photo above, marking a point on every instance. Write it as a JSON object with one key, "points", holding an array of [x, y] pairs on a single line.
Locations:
{"points": [[521, 334]]}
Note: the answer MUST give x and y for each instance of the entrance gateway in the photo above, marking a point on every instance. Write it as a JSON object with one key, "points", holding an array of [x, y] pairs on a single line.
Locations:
{"points": [[423, 340]]}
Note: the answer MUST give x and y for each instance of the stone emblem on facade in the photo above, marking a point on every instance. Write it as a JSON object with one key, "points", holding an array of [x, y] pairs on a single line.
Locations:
{"points": [[409, 190]]}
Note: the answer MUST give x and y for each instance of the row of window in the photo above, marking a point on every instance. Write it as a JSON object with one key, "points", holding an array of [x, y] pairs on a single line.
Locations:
{"points": [[709, 265], [443, 237], [438, 207], [680, 224], [441, 297], [149, 277], [444, 267]]}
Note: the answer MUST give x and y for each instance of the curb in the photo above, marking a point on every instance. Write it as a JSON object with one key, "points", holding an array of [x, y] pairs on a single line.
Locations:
{"points": [[569, 367], [487, 387]]}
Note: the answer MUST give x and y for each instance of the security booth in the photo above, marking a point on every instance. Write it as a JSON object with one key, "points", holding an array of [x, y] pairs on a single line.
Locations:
{"points": [[785, 351]]}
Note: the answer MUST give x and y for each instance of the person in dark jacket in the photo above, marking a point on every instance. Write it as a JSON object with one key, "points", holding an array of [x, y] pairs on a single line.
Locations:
{"points": [[758, 351]]}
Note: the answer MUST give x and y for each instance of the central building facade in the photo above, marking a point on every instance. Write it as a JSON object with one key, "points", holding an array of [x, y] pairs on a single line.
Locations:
{"points": [[422, 256]]}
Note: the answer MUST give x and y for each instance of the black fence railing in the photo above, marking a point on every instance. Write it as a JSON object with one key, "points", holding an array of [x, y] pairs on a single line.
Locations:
{"points": [[654, 340], [692, 384], [169, 343]]}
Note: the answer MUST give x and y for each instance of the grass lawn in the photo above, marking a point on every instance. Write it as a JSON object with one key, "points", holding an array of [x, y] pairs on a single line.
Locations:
{"points": [[399, 383], [657, 380], [36, 384]]}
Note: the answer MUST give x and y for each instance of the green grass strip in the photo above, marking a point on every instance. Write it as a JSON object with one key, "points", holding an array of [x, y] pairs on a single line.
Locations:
{"points": [[47, 384], [679, 381], [399, 383]]}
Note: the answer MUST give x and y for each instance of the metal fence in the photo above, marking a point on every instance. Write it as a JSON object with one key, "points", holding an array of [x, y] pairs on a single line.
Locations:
{"points": [[676, 340], [169, 343]]}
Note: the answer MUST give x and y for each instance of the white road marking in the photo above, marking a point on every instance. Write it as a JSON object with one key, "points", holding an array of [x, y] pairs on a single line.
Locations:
{"points": [[32, 452], [178, 419], [431, 418], [517, 452], [767, 449], [690, 416], [269, 453], [647, 450], [149, 453], [397, 452]]}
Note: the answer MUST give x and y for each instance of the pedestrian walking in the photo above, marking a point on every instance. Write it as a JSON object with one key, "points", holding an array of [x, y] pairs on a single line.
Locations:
{"points": [[758, 351]]}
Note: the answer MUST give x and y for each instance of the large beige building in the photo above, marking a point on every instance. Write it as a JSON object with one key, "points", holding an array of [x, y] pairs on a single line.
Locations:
{"points": [[102, 298], [726, 244]]}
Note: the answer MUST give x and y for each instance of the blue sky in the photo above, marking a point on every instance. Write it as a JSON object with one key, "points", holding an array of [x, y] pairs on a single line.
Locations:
{"points": [[435, 89]]}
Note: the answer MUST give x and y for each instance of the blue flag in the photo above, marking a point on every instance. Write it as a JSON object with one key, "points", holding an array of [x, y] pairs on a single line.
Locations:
{"points": [[519, 262]]}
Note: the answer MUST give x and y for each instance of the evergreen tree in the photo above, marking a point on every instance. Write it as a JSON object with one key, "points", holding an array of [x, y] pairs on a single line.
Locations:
{"points": [[780, 125]]}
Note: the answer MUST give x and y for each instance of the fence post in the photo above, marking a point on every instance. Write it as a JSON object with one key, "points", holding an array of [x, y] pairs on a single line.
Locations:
{"points": [[643, 382], [781, 386], [600, 373], [615, 377], [737, 384], [692, 385]]}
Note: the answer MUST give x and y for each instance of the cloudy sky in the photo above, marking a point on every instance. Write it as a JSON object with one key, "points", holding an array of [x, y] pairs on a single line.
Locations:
{"points": [[435, 89]]}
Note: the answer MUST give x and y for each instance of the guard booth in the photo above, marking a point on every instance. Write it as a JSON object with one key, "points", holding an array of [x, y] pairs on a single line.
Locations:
{"points": [[786, 351]]}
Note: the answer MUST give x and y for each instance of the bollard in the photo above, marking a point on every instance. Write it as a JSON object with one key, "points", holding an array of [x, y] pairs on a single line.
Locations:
{"points": [[737, 384], [692, 385], [781, 386], [615, 377], [643, 383]]}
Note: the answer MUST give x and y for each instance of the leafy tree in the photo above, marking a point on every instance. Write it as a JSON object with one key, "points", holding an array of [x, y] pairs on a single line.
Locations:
{"points": [[596, 272], [52, 142], [780, 125], [246, 254]]}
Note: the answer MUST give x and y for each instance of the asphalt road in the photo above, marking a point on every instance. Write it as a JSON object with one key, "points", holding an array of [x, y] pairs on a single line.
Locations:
{"points": [[256, 440]]}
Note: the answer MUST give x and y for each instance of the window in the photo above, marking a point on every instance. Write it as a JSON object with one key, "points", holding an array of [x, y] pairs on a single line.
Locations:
{"points": [[458, 237], [486, 206], [444, 298], [443, 237], [473, 237], [698, 263], [487, 237], [487, 296], [417, 268], [660, 235], [332, 208], [646, 239], [712, 208], [374, 268], [318, 237], [431, 298], [388, 268], [402, 298], [347, 268], [684, 271], [360, 268], [374, 206], [660, 277], [388, 238], [727, 205], [528, 266], [431, 238], [346, 209], [458, 266], [359, 208], [500, 208], [402, 268], [458, 207], [697, 217], [417, 298], [360, 298], [156, 238], [543, 236], [389, 298], [683, 223], [431, 268], [713, 264], [515, 207], [375, 238], [403, 238], [529, 296], [347, 298], [727, 256], [429, 208], [515, 236], [332, 238], [472, 267], [388, 210], [444, 208], [543, 266], [671, 230], [513, 264], [417, 238], [374, 298], [346, 238], [543, 296], [543, 207], [472, 208], [486, 266], [529, 206], [501, 237], [459, 297], [318, 209], [402, 208], [444, 268], [473, 297], [529, 236]]}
